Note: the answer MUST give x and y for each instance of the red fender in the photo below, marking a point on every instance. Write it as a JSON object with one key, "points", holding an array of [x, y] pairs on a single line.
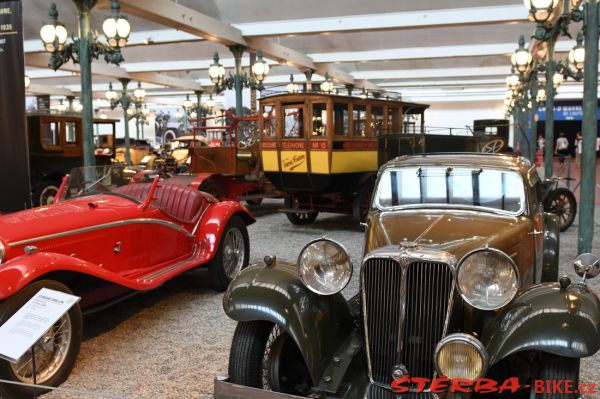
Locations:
{"points": [[18, 272], [202, 177], [214, 222]]}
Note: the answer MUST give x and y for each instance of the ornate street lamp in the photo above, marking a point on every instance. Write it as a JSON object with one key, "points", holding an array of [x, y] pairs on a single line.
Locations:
{"points": [[216, 71], [513, 82], [139, 93], [577, 53], [111, 95], [210, 103], [292, 87], [61, 107], [187, 103], [125, 100], [82, 51], [364, 94], [260, 69], [541, 94], [327, 85], [540, 10], [557, 79], [521, 58]]}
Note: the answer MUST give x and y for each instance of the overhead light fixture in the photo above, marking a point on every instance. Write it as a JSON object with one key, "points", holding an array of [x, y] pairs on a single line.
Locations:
{"points": [[327, 85], [216, 71], [139, 93], [210, 103], [116, 27], [540, 10], [260, 69], [292, 87], [521, 58], [577, 53], [111, 95]]}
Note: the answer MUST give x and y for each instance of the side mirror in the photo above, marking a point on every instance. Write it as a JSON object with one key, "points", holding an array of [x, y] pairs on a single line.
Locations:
{"points": [[587, 266]]}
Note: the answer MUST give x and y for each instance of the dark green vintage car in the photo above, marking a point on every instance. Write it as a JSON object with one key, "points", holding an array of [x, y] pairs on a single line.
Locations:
{"points": [[459, 279]]}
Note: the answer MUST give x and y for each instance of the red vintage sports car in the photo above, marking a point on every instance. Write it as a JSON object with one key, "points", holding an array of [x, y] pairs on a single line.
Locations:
{"points": [[102, 240]]}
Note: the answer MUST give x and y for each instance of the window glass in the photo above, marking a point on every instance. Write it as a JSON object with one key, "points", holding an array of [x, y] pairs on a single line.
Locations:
{"points": [[51, 134], [292, 122], [71, 134], [340, 119], [319, 119], [359, 120], [376, 121], [269, 121], [458, 186], [393, 123]]}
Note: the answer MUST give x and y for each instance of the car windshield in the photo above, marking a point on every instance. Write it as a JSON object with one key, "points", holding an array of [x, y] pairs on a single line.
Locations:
{"points": [[97, 180], [453, 186]]}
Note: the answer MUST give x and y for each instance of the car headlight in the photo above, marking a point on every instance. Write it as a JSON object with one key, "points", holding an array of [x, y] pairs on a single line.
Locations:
{"points": [[325, 267], [2, 252], [461, 356], [488, 279]]}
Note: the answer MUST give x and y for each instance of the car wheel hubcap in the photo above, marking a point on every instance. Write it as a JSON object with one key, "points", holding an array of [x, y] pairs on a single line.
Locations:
{"points": [[50, 354], [48, 194], [233, 252]]}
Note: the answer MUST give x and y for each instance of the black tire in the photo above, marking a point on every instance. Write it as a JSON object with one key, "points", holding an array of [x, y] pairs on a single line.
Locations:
{"points": [[264, 356], [556, 368], [362, 202], [213, 188], [562, 203], [300, 218], [45, 191], [220, 270], [11, 305]]}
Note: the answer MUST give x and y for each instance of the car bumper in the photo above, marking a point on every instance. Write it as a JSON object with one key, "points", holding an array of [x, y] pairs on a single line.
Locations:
{"points": [[227, 390]]}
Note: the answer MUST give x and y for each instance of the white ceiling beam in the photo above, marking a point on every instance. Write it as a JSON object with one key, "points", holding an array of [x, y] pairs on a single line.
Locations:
{"points": [[389, 21], [179, 17], [284, 55], [335, 74], [41, 60], [169, 81], [433, 73], [36, 89]]}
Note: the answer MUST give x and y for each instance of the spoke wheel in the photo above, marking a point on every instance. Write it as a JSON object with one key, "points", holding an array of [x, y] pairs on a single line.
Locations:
{"points": [[55, 352], [232, 255], [362, 202], [213, 188], [493, 146], [233, 252], [556, 368], [562, 203], [300, 218], [48, 195]]}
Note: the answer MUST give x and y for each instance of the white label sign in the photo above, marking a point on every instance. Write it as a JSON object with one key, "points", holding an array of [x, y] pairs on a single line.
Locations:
{"points": [[32, 321]]}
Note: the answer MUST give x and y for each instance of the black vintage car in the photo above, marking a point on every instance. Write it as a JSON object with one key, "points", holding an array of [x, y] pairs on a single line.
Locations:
{"points": [[459, 279], [56, 147]]}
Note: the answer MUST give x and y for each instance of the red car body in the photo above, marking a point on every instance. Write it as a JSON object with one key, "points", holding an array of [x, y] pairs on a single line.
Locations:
{"points": [[82, 236]]}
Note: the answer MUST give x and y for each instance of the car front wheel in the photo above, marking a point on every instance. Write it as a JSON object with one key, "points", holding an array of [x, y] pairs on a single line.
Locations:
{"points": [[555, 368], [264, 356], [55, 352], [232, 255]]}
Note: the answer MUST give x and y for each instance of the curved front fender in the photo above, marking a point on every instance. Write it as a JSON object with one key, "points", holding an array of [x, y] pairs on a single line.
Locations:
{"points": [[214, 221], [550, 248], [546, 318], [319, 324]]}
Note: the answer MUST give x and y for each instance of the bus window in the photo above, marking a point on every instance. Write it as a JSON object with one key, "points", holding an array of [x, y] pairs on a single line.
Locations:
{"points": [[393, 124], [71, 134], [269, 121], [319, 120], [340, 119], [359, 120], [51, 135], [292, 122], [376, 121]]}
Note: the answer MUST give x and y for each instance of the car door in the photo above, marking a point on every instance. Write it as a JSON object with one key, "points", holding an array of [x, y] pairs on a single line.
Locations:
{"points": [[537, 229]]}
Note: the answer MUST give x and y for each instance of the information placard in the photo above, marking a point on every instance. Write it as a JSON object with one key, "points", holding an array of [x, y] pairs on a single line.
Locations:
{"points": [[32, 321]]}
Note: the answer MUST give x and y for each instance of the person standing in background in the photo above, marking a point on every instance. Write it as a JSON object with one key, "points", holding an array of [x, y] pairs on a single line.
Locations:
{"points": [[541, 142], [578, 148], [562, 147], [597, 146]]}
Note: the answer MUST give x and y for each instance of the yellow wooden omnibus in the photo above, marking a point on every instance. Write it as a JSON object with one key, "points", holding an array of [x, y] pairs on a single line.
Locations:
{"points": [[323, 151]]}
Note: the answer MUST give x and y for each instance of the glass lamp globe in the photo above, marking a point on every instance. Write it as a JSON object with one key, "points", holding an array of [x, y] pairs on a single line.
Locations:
{"points": [[513, 81], [123, 28], [521, 59], [541, 95], [61, 35], [577, 57], [103, 116], [145, 111], [129, 112], [27, 82], [260, 69], [187, 103], [210, 103], [216, 71], [193, 115], [48, 35], [109, 27], [557, 79], [78, 107], [111, 95], [139, 93]]}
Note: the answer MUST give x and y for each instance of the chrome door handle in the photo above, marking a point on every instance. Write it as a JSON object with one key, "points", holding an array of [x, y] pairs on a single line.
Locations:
{"points": [[117, 247], [536, 233]]}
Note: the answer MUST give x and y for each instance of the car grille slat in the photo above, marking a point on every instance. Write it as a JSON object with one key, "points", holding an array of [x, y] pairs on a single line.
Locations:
{"points": [[405, 307]]}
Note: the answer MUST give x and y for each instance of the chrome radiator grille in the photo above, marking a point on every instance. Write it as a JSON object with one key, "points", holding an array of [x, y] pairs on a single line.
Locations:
{"points": [[405, 308]]}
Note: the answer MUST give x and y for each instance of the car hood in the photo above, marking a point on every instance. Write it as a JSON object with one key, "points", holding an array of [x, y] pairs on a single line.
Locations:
{"points": [[60, 217], [456, 232]]}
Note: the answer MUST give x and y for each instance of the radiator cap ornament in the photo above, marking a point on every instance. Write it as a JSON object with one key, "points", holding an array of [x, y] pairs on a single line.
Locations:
{"points": [[405, 244]]}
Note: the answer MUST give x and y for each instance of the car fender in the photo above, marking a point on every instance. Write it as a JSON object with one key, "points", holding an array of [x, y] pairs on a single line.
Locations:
{"points": [[202, 177], [318, 324], [550, 248], [564, 322], [22, 270], [214, 221]]}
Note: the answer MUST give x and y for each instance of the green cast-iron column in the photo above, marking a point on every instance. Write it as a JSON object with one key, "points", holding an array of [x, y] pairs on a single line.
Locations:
{"points": [[516, 118], [549, 131], [85, 63], [199, 115], [253, 109], [589, 128], [238, 52], [125, 102], [532, 122]]}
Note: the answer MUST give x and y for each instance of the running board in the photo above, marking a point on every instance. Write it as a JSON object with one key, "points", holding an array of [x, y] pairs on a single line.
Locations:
{"points": [[162, 272], [292, 210]]}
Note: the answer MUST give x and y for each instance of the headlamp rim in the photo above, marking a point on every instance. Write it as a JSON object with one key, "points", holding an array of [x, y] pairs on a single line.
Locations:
{"points": [[494, 251], [343, 248], [462, 337]]}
